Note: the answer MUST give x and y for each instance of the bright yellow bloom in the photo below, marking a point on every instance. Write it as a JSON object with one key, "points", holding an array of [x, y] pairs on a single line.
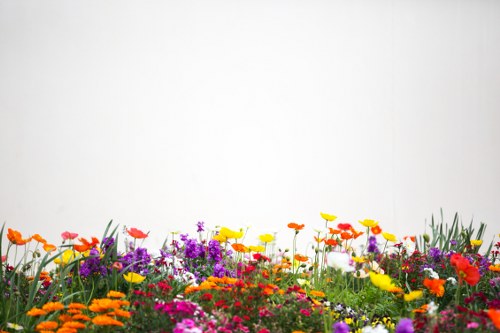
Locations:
{"points": [[369, 223], [413, 295], [389, 237], [220, 238], [383, 282], [257, 248], [328, 217], [66, 257], [476, 242], [358, 259], [133, 277], [228, 233], [266, 238]]}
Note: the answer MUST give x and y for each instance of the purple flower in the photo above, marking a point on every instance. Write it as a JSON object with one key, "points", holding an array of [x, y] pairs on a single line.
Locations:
{"points": [[435, 253], [193, 249], [214, 251], [341, 327], [372, 245], [201, 226], [405, 325], [136, 261], [93, 265]]}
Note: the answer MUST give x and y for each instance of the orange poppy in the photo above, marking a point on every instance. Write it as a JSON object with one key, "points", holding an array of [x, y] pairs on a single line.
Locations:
{"points": [[376, 230], [16, 238], [331, 242], [356, 234], [301, 258], [494, 315], [345, 235], [49, 247], [334, 231], [412, 238], [86, 245], [297, 227], [39, 238], [136, 233], [238, 247]]}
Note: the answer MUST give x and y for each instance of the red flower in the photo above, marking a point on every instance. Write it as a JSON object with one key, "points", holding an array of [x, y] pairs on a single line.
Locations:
{"points": [[69, 235], [297, 227], [376, 230], [344, 226], [207, 297], [464, 269], [136, 233]]}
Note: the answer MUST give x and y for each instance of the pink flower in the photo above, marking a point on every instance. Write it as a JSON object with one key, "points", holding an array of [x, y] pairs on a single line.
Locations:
{"points": [[472, 325], [117, 265], [4, 258], [68, 235], [305, 312]]}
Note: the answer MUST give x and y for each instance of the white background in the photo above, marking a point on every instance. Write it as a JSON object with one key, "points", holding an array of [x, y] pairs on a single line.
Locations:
{"points": [[159, 114]]}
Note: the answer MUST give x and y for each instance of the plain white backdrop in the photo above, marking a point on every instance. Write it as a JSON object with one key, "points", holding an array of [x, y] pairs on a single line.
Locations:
{"points": [[160, 114]]}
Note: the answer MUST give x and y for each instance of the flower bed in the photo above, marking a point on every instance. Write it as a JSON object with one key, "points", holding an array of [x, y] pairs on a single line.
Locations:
{"points": [[357, 280]]}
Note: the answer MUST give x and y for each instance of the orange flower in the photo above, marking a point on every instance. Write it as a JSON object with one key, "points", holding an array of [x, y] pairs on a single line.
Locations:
{"points": [[317, 293], [494, 315], [238, 247], [16, 238], [115, 294], [39, 238], [49, 247], [412, 238], [345, 235], [86, 245], [73, 324], [47, 325], [356, 234], [81, 317], [136, 233], [78, 306], [435, 286], [376, 230], [52, 306], [103, 320], [331, 242], [297, 227], [334, 231], [494, 268], [35, 312], [301, 258]]}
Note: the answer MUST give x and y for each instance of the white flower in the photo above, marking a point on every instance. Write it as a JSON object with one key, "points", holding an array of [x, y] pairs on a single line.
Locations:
{"points": [[452, 280], [377, 329], [15, 326], [432, 308], [302, 282], [339, 260], [432, 273]]}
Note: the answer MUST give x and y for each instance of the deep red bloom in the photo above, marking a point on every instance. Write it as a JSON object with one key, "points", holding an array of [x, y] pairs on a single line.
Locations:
{"points": [[344, 226]]}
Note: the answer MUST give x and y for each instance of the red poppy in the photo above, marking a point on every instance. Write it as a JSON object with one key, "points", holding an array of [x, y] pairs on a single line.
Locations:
{"points": [[464, 269], [344, 226], [136, 233]]}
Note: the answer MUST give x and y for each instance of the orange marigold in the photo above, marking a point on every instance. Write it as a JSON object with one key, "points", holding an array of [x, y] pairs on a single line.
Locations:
{"points": [[77, 306], [435, 286], [52, 306], [317, 293], [47, 325], [73, 324], [81, 317], [115, 294], [103, 320], [35, 312]]}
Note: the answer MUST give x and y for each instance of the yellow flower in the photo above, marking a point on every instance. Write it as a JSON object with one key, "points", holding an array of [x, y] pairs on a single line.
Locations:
{"points": [[358, 259], [66, 257], [257, 248], [228, 233], [382, 281], [369, 223], [476, 242], [389, 237], [413, 295], [220, 238], [133, 277], [328, 217], [266, 238]]}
